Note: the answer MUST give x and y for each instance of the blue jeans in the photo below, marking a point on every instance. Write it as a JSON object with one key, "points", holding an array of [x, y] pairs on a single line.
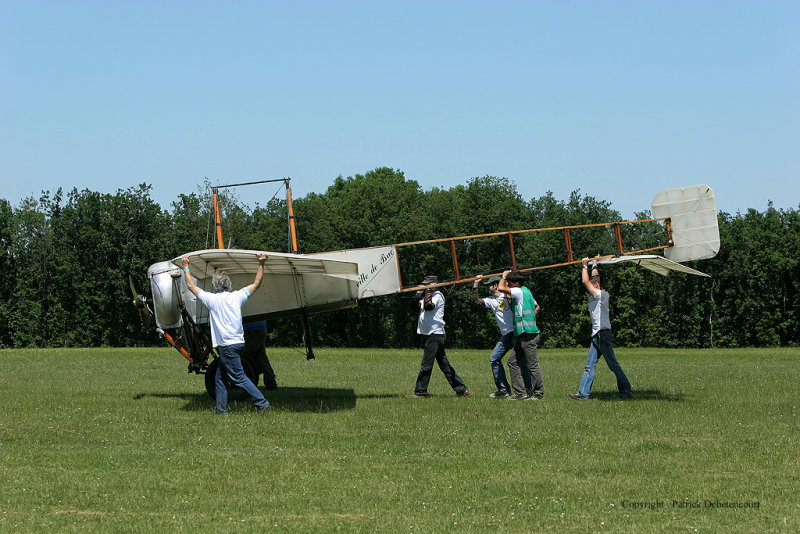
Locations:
{"points": [[230, 362], [603, 345], [505, 344]]}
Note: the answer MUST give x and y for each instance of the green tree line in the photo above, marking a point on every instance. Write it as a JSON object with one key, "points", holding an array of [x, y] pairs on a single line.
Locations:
{"points": [[66, 259]]}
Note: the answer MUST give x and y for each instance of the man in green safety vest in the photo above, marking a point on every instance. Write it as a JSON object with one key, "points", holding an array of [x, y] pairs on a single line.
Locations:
{"points": [[526, 336]]}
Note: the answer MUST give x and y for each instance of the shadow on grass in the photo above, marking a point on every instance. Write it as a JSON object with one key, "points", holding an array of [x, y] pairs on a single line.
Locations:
{"points": [[292, 399], [639, 395]]}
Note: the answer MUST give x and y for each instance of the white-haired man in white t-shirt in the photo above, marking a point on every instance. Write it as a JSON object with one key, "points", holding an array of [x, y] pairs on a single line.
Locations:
{"points": [[227, 334]]}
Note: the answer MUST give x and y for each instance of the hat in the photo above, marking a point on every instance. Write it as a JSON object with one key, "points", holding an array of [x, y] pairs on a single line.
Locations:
{"points": [[492, 280], [430, 279]]}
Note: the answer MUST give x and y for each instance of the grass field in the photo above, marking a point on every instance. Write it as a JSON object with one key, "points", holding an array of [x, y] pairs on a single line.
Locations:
{"points": [[121, 440]]}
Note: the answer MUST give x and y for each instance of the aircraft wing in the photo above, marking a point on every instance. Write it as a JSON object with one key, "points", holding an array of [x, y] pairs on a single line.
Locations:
{"points": [[234, 261], [659, 264], [291, 282]]}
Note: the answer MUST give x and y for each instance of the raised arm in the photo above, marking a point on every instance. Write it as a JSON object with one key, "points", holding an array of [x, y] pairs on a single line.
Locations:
{"points": [[502, 286], [262, 259], [188, 276], [476, 300], [587, 283]]}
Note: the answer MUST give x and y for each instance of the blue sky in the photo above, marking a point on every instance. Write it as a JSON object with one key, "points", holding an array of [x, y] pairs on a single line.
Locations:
{"points": [[619, 99]]}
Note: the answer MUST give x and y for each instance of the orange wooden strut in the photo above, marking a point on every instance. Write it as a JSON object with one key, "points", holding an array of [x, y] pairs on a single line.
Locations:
{"points": [[220, 241], [511, 248], [290, 211], [455, 260], [180, 348], [568, 238]]}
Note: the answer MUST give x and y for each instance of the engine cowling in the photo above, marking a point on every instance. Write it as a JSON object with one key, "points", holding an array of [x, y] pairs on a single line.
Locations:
{"points": [[165, 294]]}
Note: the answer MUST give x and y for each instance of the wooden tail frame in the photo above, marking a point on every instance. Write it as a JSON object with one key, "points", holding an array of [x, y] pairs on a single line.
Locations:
{"points": [[570, 259]]}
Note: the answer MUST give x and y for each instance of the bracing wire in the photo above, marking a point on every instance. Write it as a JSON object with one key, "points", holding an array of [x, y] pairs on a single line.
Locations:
{"points": [[275, 195], [297, 279], [202, 310], [288, 238]]}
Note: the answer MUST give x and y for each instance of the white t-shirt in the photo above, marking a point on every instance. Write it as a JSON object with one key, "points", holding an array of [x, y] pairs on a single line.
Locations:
{"points": [[598, 310], [503, 312], [226, 315], [431, 321]]}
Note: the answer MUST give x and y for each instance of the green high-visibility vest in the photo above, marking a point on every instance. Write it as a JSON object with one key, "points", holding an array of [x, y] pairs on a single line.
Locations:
{"points": [[526, 322]]}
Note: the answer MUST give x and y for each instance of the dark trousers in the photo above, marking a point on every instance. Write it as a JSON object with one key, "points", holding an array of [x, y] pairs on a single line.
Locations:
{"points": [[525, 356], [256, 353], [434, 350]]}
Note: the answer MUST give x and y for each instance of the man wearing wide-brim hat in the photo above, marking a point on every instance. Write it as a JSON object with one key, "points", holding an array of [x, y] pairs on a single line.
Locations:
{"points": [[430, 326]]}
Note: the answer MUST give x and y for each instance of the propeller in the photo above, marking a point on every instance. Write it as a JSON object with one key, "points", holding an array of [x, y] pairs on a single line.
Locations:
{"points": [[139, 302]]}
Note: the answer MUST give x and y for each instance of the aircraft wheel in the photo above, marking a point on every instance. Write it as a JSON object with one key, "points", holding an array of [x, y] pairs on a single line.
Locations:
{"points": [[211, 374]]}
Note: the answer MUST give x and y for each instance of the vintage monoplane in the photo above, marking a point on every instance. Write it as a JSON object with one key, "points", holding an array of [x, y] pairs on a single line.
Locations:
{"points": [[297, 284]]}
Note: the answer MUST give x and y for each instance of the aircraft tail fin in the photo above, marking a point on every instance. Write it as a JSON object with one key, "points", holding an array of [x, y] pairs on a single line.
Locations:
{"points": [[693, 218]]}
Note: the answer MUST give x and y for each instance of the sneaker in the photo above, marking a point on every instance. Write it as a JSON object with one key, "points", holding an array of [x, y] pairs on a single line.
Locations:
{"points": [[499, 394], [576, 396], [516, 396], [464, 393], [263, 409], [534, 397], [415, 396]]}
